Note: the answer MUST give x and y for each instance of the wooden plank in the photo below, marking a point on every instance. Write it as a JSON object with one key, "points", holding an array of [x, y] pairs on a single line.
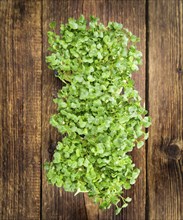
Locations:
{"points": [[2, 8], [56, 204], [132, 15], [166, 109], [20, 89]]}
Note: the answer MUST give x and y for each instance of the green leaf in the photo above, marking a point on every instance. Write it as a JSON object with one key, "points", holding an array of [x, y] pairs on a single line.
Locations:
{"points": [[78, 78], [147, 122], [73, 24], [86, 162], [52, 25], [91, 78], [78, 152], [100, 148], [73, 105], [99, 55], [140, 144], [82, 124], [59, 146], [146, 135], [124, 205], [59, 182], [127, 185], [81, 19], [106, 39], [57, 157], [128, 199], [80, 161], [118, 210], [46, 166]]}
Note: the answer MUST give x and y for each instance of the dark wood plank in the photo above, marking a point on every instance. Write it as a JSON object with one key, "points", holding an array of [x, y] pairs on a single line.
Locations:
{"points": [[20, 89], [165, 144], [61, 205], [56, 204], [2, 8]]}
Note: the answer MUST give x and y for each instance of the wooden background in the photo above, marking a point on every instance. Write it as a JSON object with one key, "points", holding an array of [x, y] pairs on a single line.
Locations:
{"points": [[27, 88]]}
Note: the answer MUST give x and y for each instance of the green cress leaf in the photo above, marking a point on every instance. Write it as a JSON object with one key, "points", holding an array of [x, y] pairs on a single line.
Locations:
{"points": [[52, 24], [140, 144], [98, 109]]}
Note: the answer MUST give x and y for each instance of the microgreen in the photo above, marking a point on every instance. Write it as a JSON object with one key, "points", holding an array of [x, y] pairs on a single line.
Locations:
{"points": [[99, 111]]}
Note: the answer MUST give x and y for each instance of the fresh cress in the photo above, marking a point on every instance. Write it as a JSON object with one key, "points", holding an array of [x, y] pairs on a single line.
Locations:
{"points": [[99, 111]]}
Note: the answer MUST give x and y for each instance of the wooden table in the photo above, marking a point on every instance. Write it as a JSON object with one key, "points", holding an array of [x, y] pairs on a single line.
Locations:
{"points": [[27, 88]]}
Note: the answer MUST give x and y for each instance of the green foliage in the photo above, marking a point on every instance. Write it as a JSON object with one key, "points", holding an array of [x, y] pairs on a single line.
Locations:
{"points": [[98, 109]]}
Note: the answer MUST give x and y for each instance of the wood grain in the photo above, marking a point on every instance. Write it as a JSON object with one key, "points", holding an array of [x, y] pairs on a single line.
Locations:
{"points": [[27, 88], [165, 144], [20, 89]]}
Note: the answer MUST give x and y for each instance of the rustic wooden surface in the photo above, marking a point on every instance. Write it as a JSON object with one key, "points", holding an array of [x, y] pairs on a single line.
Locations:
{"points": [[20, 91], [27, 88], [165, 144]]}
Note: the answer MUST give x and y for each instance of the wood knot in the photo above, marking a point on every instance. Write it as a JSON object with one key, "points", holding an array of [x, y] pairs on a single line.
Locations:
{"points": [[51, 150], [179, 70], [173, 151]]}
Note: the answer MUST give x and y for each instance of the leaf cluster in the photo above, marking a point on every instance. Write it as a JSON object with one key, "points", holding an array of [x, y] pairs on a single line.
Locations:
{"points": [[99, 111]]}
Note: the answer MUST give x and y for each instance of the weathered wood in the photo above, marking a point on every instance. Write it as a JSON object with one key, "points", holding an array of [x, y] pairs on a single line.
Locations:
{"points": [[20, 91], [56, 204], [22, 116], [166, 109]]}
